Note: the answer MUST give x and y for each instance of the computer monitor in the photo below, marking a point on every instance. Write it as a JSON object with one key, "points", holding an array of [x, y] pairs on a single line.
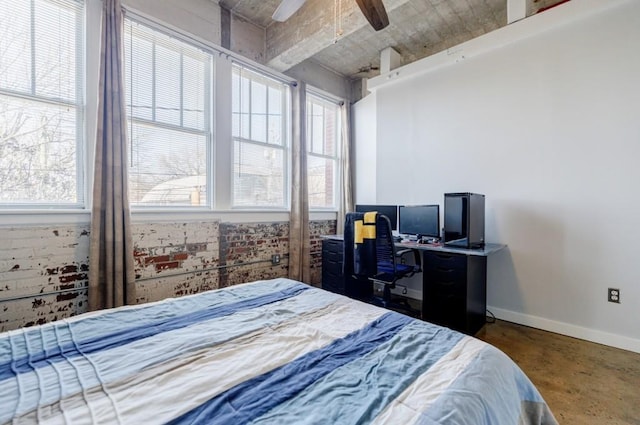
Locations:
{"points": [[391, 211], [420, 220]]}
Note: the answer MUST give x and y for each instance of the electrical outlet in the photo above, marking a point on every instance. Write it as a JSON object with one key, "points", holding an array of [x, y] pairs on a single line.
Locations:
{"points": [[613, 295], [275, 259]]}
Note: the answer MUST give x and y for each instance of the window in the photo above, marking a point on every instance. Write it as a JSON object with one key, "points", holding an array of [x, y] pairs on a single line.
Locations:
{"points": [[41, 95], [260, 139], [323, 133], [168, 86]]}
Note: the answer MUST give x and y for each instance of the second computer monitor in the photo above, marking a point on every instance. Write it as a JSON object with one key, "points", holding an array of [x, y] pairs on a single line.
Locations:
{"points": [[391, 211], [421, 220]]}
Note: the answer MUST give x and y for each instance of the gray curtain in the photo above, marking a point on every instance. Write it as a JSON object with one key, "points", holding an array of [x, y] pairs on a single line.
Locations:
{"points": [[299, 239], [111, 266], [346, 176]]}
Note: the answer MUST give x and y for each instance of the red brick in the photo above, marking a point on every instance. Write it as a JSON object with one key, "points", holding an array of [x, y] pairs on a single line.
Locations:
{"points": [[157, 259], [73, 277], [167, 265], [69, 269]]}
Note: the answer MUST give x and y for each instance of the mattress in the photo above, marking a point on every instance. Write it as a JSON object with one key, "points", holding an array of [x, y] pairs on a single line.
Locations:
{"points": [[267, 352]]}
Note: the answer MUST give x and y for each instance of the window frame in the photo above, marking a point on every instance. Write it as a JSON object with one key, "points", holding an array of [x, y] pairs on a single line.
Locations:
{"points": [[326, 98], [208, 114], [85, 10], [286, 136], [221, 152]]}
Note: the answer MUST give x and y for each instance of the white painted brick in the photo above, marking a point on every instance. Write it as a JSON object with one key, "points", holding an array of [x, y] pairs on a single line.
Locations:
{"points": [[10, 254], [18, 313], [36, 249], [20, 274]]}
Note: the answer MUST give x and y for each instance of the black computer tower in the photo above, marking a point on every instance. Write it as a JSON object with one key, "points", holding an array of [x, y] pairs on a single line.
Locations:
{"points": [[464, 220]]}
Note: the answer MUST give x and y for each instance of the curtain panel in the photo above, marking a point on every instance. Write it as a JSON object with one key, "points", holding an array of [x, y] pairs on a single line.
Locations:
{"points": [[111, 265], [346, 176], [299, 238]]}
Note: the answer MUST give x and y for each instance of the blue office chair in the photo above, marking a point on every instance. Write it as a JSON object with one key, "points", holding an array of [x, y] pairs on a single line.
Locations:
{"points": [[371, 251]]}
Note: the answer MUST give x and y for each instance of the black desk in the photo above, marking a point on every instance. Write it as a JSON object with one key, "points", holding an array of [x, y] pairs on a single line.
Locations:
{"points": [[454, 281]]}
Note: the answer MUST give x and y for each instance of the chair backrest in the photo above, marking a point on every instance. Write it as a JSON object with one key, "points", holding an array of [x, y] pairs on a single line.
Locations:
{"points": [[385, 246], [369, 246]]}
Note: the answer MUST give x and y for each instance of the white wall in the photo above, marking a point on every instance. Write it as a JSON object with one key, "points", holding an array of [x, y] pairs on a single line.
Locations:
{"points": [[364, 130], [547, 128]]}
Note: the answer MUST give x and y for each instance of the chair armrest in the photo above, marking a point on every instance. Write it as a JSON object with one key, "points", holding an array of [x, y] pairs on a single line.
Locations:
{"points": [[402, 252], [417, 258]]}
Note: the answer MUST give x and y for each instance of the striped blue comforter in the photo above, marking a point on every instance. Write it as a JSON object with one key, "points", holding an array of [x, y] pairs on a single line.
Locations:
{"points": [[270, 352]]}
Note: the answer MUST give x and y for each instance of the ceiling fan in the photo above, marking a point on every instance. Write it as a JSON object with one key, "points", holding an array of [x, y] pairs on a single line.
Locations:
{"points": [[373, 10]]}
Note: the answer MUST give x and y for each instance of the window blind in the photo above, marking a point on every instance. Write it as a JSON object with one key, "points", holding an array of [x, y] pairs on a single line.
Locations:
{"points": [[41, 95], [168, 85]]}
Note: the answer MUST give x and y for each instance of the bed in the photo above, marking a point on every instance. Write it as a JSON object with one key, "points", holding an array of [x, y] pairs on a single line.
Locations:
{"points": [[267, 352]]}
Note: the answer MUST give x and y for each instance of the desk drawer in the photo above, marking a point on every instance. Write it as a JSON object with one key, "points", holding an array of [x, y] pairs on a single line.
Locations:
{"points": [[446, 310], [333, 280], [332, 277], [444, 274], [444, 260], [333, 286], [332, 245], [332, 267], [438, 288], [332, 256]]}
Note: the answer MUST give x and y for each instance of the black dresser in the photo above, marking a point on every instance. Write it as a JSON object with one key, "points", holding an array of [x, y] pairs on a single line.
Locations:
{"points": [[454, 290], [333, 278]]}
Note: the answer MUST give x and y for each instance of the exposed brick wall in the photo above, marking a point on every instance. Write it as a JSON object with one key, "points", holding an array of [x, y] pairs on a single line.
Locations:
{"points": [[252, 244], [166, 254], [171, 260], [317, 229], [37, 261]]}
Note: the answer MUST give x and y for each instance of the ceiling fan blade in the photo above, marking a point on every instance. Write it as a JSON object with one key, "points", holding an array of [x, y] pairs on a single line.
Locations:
{"points": [[286, 9], [375, 13]]}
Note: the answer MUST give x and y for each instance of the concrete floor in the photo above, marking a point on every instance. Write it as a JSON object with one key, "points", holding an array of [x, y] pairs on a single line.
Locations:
{"points": [[582, 382]]}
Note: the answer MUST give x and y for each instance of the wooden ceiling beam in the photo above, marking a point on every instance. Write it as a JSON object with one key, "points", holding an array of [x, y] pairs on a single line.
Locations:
{"points": [[375, 13]]}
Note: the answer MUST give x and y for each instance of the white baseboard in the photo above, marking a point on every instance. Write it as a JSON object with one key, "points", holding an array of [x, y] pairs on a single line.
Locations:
{"points": [[600, 337]]}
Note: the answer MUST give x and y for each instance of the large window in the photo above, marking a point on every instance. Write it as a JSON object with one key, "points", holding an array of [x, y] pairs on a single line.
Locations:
{"points": [[168, 85], [41, 95], [323, 134], [260, 140]]}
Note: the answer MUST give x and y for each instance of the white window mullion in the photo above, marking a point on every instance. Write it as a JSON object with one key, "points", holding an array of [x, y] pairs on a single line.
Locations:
{"points": [[153, 81], [81, 83], [182, 90], [250, 110], [33, 47]]}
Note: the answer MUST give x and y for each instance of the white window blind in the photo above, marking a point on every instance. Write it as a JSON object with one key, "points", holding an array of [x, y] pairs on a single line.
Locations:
{"points": [[260, 139], [168, 85], [323, 135], [41, 95]]}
